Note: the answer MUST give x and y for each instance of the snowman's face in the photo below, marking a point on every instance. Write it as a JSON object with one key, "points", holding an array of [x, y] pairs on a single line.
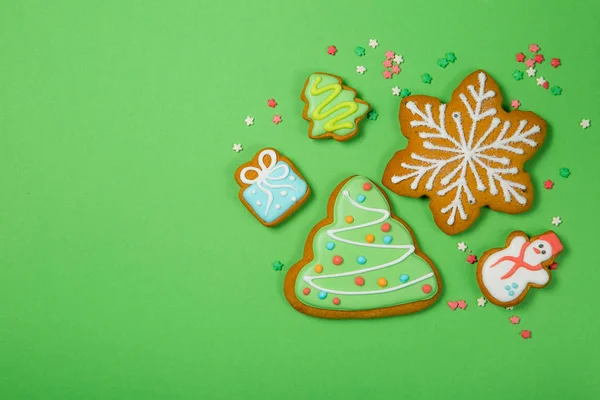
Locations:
{"points": [[538, 252]]}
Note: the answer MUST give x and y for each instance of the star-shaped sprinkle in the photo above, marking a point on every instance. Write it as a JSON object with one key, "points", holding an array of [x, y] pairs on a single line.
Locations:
{"points": [[442, 62], [387, 64], [462, 246], [556, 221], [540, 81], [396, 91], [360, 69], [539, 58], [360, 51], [509, 308], [387, 74], [548, 184], [545, 85], [277, 119], [453, 305], [515, 104], [518, 75], [451, 57], [481, 302], [531, 72], [373, 43], [249, 121], [395, 69], [555, 62], [520, 57], [462, 304], [398, 59], [372, 115], [585, 123], [237, 147], [471, 258], [526, 334], [331, 50], [553, 266], [564, 172], [277, 265], [534, 48], [426, 78], [514, 320], [404, 93], [389, 54], [530, 62], [556, 90], [272, 103]]}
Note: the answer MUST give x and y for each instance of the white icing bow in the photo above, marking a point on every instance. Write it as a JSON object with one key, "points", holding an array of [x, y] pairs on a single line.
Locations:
{"points": [[265, 175]]}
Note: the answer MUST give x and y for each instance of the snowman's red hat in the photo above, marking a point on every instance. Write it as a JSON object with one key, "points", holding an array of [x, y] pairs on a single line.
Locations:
{"points": [[554, 242]]}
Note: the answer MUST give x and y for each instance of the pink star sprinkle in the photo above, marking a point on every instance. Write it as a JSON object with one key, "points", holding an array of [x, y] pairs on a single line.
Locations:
{"points": [[395, 69], [453, 304], [539, 58], [332, 50], [515, 104], [534, 48], [553, 266], [548, 184], [526, 334], [387, 74], [520, 57], [514, 320], [389, 54], [471, 259], [530, 62], [555, 62], [272, 103], [462, 304], [545, 85], [387, 63], [277, 119]]}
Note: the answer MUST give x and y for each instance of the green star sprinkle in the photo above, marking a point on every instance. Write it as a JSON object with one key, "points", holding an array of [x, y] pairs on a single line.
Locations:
{"points": [[518, 75], [360, 51], [426, 78], [442, 62], [451, 57], [404, 93], [277, 265], [372, 115], [564, 172], [556, 90]]}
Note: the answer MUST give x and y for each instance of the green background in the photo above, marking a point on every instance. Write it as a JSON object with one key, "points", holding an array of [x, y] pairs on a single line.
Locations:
{"points": [[130, 270]]}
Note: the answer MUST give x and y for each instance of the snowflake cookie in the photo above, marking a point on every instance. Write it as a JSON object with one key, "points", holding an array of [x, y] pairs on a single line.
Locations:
{"points": [[466, 154]]}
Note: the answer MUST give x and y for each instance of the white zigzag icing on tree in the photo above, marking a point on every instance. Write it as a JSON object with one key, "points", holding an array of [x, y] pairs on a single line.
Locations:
{"points": [[470, 157]]}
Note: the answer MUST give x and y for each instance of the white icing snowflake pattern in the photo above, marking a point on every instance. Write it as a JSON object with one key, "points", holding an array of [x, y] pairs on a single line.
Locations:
{"points": [[472, 153]]}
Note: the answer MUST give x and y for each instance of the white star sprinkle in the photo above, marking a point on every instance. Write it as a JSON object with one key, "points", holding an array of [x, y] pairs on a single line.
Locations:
{"points": [[540, 81], [398, 59], [249, 121], [585, 123], [373, 43], [237, 147], [360, 69], [462, 246], [481, 301], [396, 91], [509, 308], [531, 72], [556, 221]]}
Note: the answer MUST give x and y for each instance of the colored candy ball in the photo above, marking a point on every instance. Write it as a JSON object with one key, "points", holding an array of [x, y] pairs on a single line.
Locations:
{"points": [[330, 245], [361, 260], [367, 186], [426, 289], [403, 278], [337, 260], [306, 291], [349, 219], [359, 280], [382, 282], [318, 268], [361, 198], [370, 238], [336, 301], [387, 239], [322, 294], [386, 227]]}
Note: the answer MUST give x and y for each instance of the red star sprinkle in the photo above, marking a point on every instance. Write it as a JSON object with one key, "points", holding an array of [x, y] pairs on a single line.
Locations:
{"points": [[332, 50], [272, 103], [387, 74], [548, 184], [520, 57], [515, 104], [389, 54], [534, 48], [530, 62], [555, 62], [277, 119], [387, 63], [395, 69], [471, 259], [526, 334], [545, 85], [538, 58], [553, 266], [462, 304], [514, 320]]}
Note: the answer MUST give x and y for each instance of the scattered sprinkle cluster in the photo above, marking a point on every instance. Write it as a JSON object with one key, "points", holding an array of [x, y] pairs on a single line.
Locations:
{"points": [[391, 64], [536, 58]]}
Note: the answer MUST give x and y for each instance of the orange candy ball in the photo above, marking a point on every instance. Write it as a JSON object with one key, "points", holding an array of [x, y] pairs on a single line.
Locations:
{"points": [[318, 268], [382, 282], [349, 219], [370, 238]]}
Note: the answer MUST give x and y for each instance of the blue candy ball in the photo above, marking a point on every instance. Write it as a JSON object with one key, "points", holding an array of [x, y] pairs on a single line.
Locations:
{"points": [[361, 260], [322, 295], [403, 278], [330, 245], [387, 239], [514, 285], [361, 198]]}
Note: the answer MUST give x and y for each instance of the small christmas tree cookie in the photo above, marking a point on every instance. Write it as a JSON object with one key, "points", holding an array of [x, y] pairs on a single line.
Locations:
{"points": [[361, 261], [331, 107]]}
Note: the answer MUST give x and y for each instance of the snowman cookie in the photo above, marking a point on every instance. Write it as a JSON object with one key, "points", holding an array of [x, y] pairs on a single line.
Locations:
{"points": [[506, 274]]}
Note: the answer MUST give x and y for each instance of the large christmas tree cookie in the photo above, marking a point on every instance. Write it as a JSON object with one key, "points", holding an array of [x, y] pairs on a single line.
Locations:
{"points": [[361, 261], [466, 154], [331, 107]]}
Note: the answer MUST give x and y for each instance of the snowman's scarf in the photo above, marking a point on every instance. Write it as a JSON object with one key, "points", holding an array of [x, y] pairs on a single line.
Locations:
{"points": [[519, 263]]}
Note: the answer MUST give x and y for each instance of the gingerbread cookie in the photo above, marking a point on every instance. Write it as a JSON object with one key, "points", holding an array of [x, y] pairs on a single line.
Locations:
{"points": [[361, 261], [331, 107], [271, 187], [506, 274], [466, 154]]}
